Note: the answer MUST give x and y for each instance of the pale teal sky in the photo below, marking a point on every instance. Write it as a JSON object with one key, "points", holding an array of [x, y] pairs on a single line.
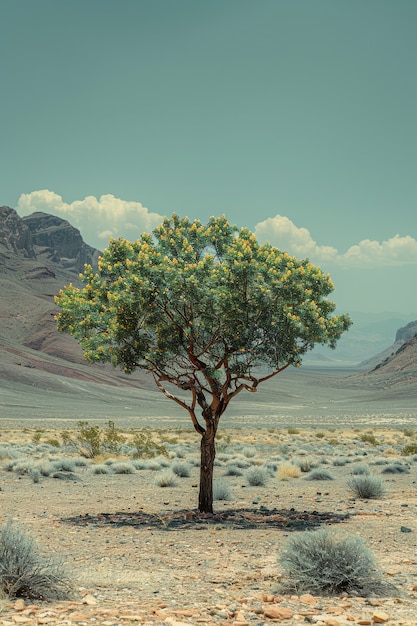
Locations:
{"points": [[260, 109]]}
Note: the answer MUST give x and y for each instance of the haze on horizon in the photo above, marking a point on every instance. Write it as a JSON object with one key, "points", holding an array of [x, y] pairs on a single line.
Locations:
{"points": [[295, 119]]}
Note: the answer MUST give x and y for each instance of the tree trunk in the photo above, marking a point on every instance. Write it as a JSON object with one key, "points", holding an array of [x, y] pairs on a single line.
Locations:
{"points": [[208, 454]]}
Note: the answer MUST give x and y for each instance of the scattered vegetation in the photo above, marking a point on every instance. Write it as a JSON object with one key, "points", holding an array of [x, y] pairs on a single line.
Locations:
{"points": [[91, 441], [167, 478], [320, 474], [409, 450], [221, 490], [366, 487], [321, 562], [256, 476], [369, 438], [146, 447], [24, 573]]}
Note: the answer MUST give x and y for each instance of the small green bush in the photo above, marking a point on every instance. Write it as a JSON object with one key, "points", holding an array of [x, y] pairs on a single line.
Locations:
{"points": [[147, 447], [181, 469], [232, 470], [409, 450], [360, 470], [166, 479], [320, 562], [221, 491], [91, 441], [366, 487], [24, 573], [123, 468], [320, 474], [396, 468], [369, 438], [256, 476]]}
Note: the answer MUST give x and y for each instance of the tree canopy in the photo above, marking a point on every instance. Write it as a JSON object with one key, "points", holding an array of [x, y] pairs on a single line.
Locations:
{"points": [[205, 308]]}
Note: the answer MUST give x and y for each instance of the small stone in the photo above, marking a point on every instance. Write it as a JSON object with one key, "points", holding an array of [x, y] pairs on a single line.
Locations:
{"points": [[19, 605], [307, 598], [405, 529], [330, 621], [364, 621], [278, 612], [89, 600], [380, 617]]}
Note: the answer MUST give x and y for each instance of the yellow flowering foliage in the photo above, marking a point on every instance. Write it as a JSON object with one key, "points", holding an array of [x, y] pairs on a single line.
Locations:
{"points": [[205, 307]]}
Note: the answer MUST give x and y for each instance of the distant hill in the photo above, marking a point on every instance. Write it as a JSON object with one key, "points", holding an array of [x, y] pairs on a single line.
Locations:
{"points": [[39, 254]]}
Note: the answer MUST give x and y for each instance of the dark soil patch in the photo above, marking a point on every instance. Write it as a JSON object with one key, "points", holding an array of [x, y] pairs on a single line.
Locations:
{"points": [[242, 519]]}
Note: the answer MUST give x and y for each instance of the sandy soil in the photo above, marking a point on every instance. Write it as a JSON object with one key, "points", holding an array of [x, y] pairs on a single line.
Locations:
{"points": [[137, 553]]}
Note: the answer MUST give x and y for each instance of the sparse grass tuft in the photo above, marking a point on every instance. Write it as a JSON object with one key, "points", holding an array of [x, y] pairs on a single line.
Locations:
{"points": [[409, 450], [256, 476], [221, 491], [366, 487], [369, 438], [181, 469], [287, 471], [321, 562], [360, 470], [167, 478], [24, 573], [320, 474], [396, 468]]}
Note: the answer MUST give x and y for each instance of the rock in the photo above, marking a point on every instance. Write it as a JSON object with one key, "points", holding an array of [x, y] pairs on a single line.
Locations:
{"points": [[380, 617], [405, 529], [89, 600], [19, 605], [278, 612], [307, 598]]}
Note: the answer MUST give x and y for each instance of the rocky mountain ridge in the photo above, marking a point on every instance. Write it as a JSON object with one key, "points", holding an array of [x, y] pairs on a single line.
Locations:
{"points": [[41, 253]]}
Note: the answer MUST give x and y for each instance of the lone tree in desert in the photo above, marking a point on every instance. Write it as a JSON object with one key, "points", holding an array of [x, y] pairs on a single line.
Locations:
{"points": [[207, 310]]}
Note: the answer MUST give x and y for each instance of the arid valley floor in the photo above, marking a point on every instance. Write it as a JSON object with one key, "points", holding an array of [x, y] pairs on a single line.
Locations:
{"points": [[136, 551]]}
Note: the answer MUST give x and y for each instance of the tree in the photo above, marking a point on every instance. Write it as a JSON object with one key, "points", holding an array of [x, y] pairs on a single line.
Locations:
{"points": [[207, 310]]}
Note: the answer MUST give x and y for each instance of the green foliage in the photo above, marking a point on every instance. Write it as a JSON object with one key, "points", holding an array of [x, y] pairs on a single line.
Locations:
{"points": [[369, 438], [167, 478], [321, 562], [320, 474], [24, 573], [409, 450], [256, 476], [221, 491], [396, 468], [366, 487], [360, 470], [202, 307], [181, 469], [146, 446], [37, 435], [293, 431], [91, 441]]}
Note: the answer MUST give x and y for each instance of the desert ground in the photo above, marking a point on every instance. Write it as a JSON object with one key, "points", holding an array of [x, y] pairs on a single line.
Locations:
{"points": [[126, 527]]}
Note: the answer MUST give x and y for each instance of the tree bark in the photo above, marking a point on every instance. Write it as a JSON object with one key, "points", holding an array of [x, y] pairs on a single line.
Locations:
{"points": [[208, 454]]}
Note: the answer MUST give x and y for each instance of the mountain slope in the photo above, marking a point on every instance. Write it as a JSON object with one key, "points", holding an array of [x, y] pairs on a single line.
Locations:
{"points": [[40, 254]]}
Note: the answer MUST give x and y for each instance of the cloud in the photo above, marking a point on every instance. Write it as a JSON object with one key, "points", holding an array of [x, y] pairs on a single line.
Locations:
{"points": [[280, 231], [98, 219]]}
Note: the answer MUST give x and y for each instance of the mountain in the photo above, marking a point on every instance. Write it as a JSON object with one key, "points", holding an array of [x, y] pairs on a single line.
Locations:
{"points": [[371, 338], [39, 254]]}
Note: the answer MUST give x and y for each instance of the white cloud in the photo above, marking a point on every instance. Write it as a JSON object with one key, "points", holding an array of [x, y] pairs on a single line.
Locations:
{"points": [[98, 219], [281, 232]]}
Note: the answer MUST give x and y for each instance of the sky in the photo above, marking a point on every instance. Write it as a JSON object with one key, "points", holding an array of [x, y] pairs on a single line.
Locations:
{"points": [[294, 118]]}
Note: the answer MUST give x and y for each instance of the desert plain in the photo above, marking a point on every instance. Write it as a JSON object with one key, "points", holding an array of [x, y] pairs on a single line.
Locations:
{"points": [[135, 548]]}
